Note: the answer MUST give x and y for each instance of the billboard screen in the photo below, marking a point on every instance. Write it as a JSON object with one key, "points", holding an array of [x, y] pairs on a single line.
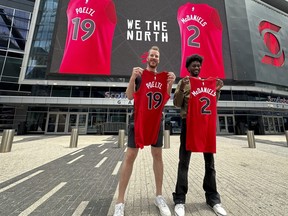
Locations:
{"points": [[107, 38]]}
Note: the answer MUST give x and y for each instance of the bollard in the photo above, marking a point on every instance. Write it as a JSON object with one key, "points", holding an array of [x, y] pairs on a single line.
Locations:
{"points": [[251, 139], [74, 138], [286, 134], [7, 140], [121, 137], [166, 139]]}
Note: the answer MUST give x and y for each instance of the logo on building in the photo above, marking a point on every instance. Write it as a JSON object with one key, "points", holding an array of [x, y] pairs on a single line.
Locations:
{"points": [[274, 53], [277, 100]]}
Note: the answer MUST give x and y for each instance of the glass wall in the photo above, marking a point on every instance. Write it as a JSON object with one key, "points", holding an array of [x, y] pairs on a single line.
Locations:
{"points": [[37, 64], [14, 27], [79, 91], [96, 119], [6, 117]]}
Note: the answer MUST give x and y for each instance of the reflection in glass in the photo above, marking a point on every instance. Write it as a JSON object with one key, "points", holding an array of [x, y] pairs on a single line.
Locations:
{"points": [[51, 123], [36, 121], [276, 124], [230, 124], [96, 122], [271, 125], [281, 124], [12, 67], [80, 91], [61, 91], [13, 28], [222, 124], [266, 126], [82, 123], [72, 122], [42, 38], [61, 123]]}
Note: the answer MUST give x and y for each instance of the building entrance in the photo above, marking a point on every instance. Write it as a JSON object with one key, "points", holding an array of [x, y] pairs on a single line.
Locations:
{"points": [[62, 123], [225, 124], [273, 124]]}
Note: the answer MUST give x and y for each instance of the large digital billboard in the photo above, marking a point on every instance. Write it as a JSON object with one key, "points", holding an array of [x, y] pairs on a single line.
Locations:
{"points": [[103, 38]]}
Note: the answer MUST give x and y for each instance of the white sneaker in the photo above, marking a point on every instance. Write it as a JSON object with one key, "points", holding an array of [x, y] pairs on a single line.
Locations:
{"points": [[179, 210], [163, 207], [119, 209], [219, 210]]}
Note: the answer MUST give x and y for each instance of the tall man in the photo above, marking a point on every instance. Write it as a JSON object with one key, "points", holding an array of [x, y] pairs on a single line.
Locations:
{"points": [[150, 91], [182, 99]]}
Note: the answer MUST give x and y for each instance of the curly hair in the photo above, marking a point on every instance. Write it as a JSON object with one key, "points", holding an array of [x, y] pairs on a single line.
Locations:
{"points": [[192, 58]]}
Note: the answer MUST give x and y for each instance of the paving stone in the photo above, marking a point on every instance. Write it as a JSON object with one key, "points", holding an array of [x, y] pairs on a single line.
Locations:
{"points": [[250, 181]]}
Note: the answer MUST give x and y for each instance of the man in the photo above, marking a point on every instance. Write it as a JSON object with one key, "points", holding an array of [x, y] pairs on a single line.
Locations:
{"points": [[181, 99], [141, 88]]}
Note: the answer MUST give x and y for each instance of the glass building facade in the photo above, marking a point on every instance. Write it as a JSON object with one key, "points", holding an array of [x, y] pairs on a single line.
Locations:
{"points": [[14, 28], [42, 40]]}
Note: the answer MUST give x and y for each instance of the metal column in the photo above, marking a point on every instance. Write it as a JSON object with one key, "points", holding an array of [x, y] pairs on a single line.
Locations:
{"points": [[7, 140], [121, 137], [74, 138], [251, 139], [166, 134]]}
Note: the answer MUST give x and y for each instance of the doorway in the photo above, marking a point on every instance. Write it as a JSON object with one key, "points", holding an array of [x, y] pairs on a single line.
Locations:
{"points": [[273, 124], [62, 123], [225, 124]]}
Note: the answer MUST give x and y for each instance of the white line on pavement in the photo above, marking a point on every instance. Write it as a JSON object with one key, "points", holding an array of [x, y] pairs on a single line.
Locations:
{"points": [[80, 209], [117, 167], [76, 152], [70, 162], [115, 142], [20, 181], [101, 162], [125, 150], [100, 145], [103, 151], [35, 205]]}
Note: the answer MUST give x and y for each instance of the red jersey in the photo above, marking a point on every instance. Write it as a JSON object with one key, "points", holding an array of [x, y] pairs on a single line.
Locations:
{"points": [[201, 116], [90, 32], [201, 33], [149, 101]]}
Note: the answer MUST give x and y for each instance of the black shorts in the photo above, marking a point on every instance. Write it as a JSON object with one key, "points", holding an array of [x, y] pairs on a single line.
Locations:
{"points": [[131, 137]]}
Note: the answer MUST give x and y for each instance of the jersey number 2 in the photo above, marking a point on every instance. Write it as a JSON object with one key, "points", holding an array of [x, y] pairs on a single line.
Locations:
{"points": [[205, 106], [195, 35]]}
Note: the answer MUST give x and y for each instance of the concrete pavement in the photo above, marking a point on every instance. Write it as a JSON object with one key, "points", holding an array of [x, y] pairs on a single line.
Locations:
{"points": [[43, 176]]}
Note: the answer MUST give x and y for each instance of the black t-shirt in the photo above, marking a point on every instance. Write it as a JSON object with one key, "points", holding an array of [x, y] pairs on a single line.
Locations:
{"points": [[137, 86]]}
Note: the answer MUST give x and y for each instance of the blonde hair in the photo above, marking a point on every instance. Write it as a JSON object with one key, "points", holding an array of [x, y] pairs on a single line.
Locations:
{"points": [[156, 48]]}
